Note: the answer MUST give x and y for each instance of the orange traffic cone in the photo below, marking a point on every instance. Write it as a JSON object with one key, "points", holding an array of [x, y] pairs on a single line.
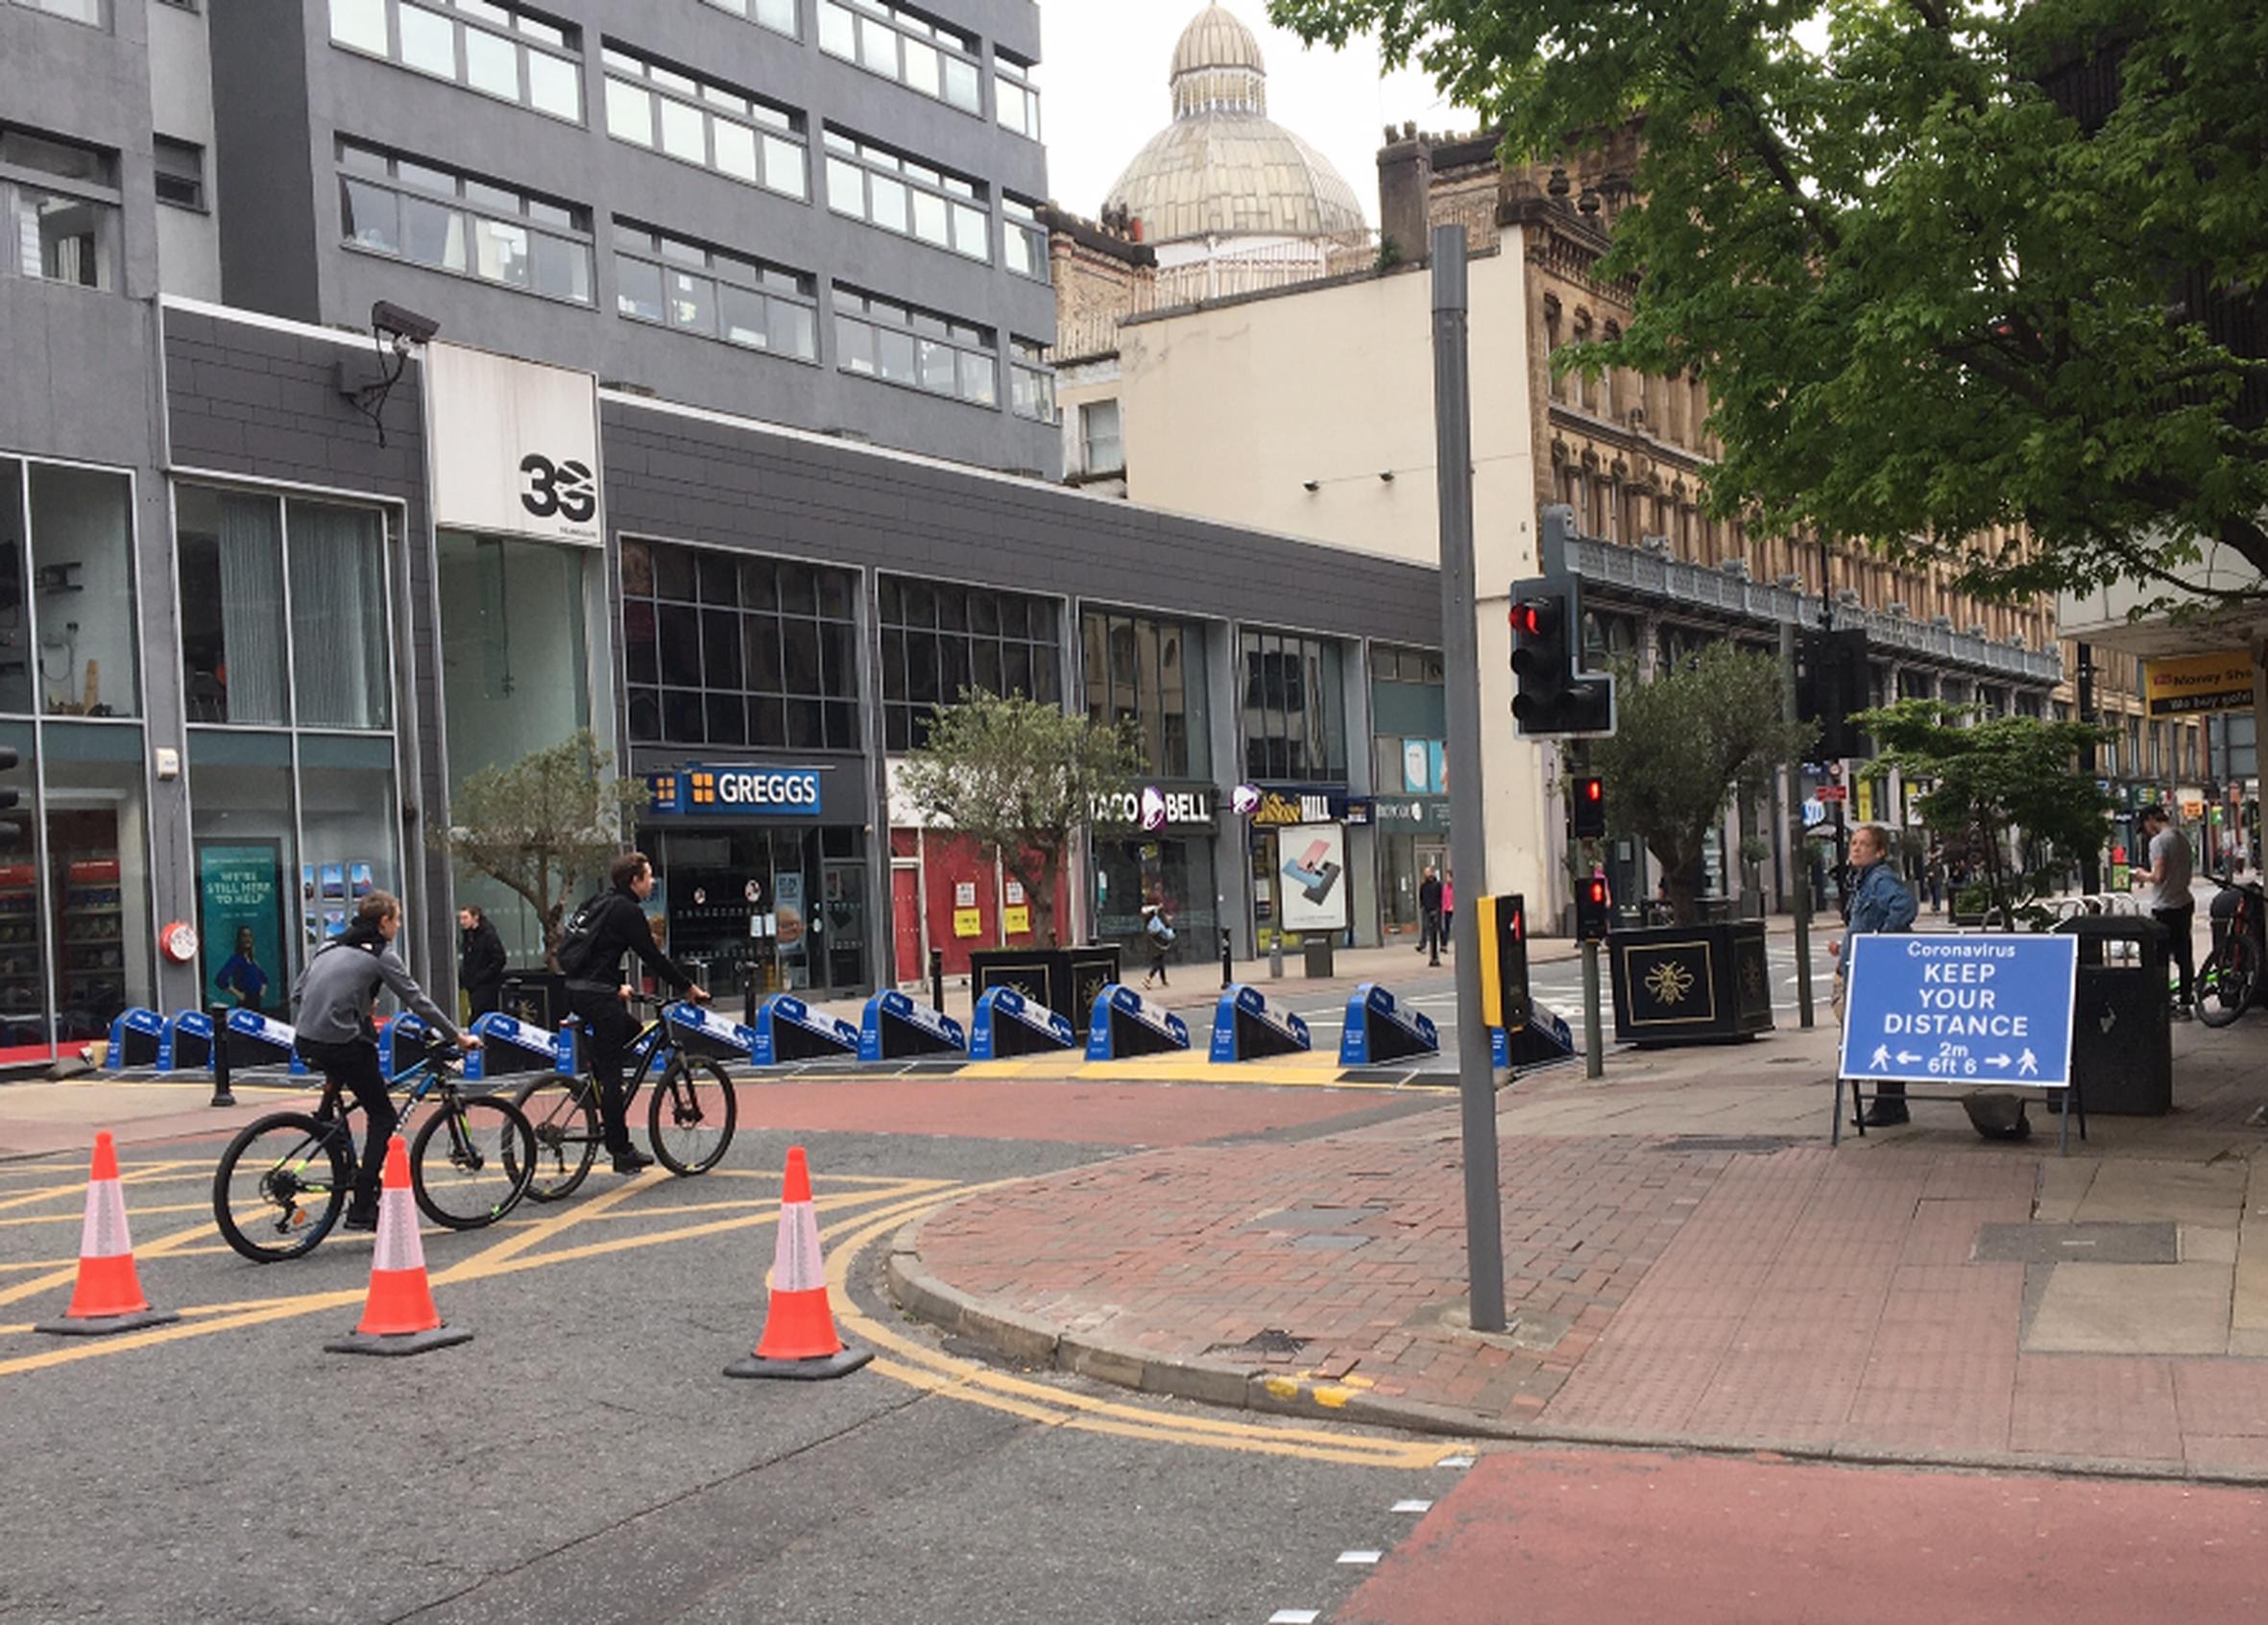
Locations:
{"points": [[109, 1297], [800, 1341], [399, 1317]]}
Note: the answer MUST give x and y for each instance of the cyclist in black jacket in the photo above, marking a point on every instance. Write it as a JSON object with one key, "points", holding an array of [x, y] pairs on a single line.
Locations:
{"points": [[598, 995]]}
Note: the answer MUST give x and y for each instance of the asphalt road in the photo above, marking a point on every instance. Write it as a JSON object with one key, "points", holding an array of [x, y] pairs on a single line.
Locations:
{"points": [[582, 1458]]}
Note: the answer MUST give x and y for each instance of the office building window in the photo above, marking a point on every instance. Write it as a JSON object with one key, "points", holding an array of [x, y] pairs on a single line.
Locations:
{"points": [[86, 660], [1148, 677], [485, 46], [58, 200], [704, 121], [903, 344], [181, 172], [1294, 708], [1031, 381], [257, 652], [938, 62], [778, 16], [1101, 449], [719, 295], [1015, 97], [458, 223], [904, 195], [939, 638], [87, 11], [1024, 240], [723, 649]]}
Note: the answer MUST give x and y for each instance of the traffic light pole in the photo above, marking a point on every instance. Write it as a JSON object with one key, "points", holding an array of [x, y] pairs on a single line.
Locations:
{"points": [[1460, 660], [1798, 853], [1594, 1046]]}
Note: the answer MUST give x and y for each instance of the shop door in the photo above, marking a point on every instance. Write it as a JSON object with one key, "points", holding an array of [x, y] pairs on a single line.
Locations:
{"points": [[905, 920], [846, 924]]}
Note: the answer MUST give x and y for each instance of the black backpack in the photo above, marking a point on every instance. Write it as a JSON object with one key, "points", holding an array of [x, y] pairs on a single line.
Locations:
{"points": [[578, 939]]}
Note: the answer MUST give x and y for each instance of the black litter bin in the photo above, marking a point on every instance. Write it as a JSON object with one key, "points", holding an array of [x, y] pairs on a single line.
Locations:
{"points": [[2122, 1040], [1319, 947]]}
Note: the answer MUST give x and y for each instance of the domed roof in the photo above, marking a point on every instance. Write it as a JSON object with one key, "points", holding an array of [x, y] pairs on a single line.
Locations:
{"points": [[1221, 168]]}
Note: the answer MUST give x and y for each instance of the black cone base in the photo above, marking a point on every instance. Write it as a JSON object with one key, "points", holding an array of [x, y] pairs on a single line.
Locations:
{"points": [[840, 1363], [408, 1342], [106, 1326]]}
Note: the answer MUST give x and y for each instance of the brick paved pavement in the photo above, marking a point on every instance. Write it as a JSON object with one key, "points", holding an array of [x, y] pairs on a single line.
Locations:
{"points": [[1666, 1290]]}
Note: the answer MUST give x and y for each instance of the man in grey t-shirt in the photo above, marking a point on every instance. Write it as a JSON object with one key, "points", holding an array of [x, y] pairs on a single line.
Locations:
{"points": [[2172, 904]]}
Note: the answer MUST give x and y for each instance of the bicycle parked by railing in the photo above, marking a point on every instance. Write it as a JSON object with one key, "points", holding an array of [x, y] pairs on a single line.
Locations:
{"points": [[690, 1117], [2230, 981], [283, 1178]]}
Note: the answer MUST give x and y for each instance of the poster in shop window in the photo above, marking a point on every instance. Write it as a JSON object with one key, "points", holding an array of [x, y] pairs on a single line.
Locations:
{"points": [[240, 924], [1311, 878]]}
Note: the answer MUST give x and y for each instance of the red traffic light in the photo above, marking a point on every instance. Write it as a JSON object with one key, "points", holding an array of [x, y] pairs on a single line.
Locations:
{"points": [[1595, 892], [1535, 617], [1518, 927], [1593, 790]]}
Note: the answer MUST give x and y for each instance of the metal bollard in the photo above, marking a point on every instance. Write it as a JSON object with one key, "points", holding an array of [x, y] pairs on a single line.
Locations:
{"points": [[748, 995], [222, 1096], [1275, 955], [938, 980], [1228, 972]]}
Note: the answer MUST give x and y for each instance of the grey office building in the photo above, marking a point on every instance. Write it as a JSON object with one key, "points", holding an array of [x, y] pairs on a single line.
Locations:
{"points": [[713, 415]]}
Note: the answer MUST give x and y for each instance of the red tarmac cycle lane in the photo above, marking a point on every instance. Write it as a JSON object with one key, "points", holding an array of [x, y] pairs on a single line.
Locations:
{"points": [[1562, 1537], [1081, 1113]]}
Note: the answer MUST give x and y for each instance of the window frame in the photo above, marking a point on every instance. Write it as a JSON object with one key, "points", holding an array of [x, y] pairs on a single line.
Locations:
{"points": [[1020, 220], [877, 162], [1012, 86], [746, 11], [718, 103], [1027, 360], [835, 638], [910, 628], [651, 253], [199, 203], [387, 179], [105, 12], [104, 193], [950, 45], [878, 313], [465, 19]]}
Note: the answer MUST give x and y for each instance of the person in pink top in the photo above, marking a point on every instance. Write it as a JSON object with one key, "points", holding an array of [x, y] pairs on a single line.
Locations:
{"points": [[1448, 906]]}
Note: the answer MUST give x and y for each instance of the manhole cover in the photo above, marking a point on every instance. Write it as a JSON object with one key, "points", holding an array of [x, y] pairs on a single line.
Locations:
{"points": [[1739, 1145], [2099, 1243], [1272, 1340]]}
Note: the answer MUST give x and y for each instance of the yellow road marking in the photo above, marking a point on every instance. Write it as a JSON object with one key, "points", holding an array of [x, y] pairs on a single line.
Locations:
{"points": [[78, 1186], [489, 1262], [65, 1277]]}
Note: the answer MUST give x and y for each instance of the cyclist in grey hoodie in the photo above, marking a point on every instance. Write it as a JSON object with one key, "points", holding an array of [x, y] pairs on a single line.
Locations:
{"points": [[335, 995]]}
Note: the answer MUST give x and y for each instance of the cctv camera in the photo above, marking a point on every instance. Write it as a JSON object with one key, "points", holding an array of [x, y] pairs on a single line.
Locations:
{"points": [[406, 328]]}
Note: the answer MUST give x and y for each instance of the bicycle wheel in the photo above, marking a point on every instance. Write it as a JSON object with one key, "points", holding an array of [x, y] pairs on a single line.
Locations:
{"points": [[280, 1185], [560, 1113], [473, 1158], [691, 1115], [2229, 983]]}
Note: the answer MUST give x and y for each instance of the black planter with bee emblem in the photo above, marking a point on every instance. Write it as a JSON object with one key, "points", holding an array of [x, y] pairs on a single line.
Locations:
{"points": [[1690, 983]]}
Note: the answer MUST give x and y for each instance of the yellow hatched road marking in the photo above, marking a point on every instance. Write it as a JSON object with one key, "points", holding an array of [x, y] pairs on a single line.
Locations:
{"points": [[65, 1277], [504, 1258]]}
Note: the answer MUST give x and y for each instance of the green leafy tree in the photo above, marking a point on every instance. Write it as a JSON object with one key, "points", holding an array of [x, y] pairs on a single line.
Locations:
{"points": [[1996, 781], [1022, 778], [1924, 297], [545, 825], [1683, 744]]}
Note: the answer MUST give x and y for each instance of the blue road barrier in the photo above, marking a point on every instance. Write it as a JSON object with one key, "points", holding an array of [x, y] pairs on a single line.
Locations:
{"points": [[186, 1044], [258, 1040], [894, 1027], [1246, 1028], [1381, 1029], [786, 1029], [1010, 1024], [1123, 1022]]}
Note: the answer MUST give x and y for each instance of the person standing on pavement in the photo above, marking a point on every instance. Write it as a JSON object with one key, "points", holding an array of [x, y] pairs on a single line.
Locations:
{"points": [[1448, 907], [2172, 904], [481, 960], [1879, 901], [608, 926], [1429, 915]]}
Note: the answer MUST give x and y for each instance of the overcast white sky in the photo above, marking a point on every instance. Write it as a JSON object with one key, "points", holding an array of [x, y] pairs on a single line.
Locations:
{"points": [[1102, 79]]}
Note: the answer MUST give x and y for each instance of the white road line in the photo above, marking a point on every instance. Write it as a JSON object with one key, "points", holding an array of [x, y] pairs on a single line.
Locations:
{"points": [[1455, 1462], [1360, 1558], [1295, 1617], [1411, 1506]]}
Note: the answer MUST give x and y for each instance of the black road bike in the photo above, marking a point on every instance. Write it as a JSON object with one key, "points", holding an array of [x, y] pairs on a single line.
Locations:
{"points": [[283, 1180], [691, 1113]]}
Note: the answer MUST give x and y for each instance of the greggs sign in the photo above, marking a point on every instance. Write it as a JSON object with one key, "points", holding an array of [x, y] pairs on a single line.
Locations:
{"points": [[758, 792]]}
